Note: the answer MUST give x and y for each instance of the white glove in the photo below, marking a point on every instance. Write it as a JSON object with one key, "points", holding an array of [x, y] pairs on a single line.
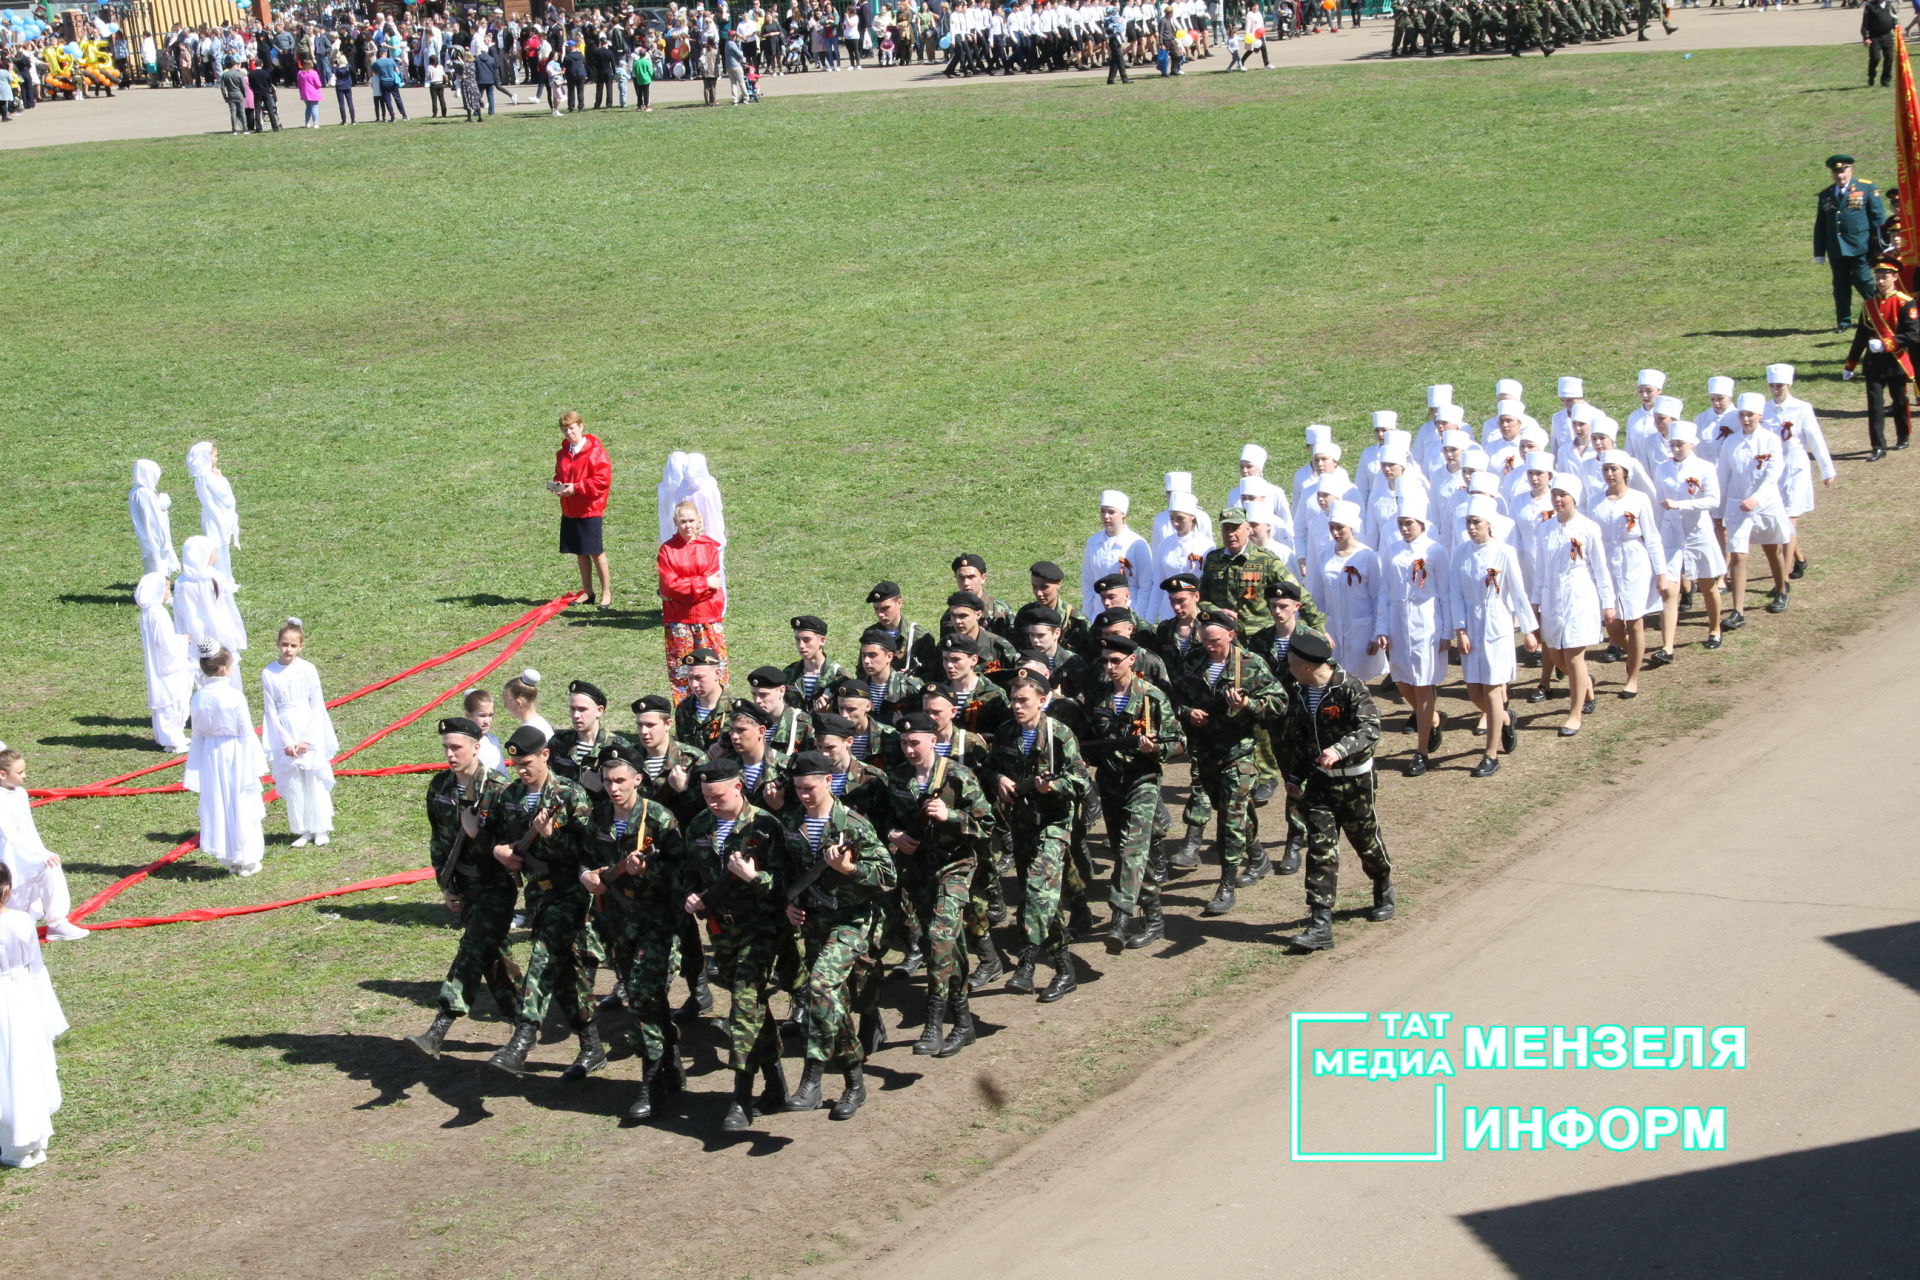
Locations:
{"points": [[1876, 346], [1846, 375], [1819, 259]]}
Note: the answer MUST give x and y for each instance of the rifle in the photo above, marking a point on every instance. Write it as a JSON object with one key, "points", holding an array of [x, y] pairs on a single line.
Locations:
{"points": [[638, 830], [935, 781], [1144, 725], [716, 890], [447, 872], [808, 885], [549, 805]]}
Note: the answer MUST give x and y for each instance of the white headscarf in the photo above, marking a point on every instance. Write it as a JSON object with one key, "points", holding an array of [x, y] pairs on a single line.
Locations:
{"points": [[152, 526], [701, 489], [219, 518], [203, 607], [672, 481], [169, 664]]}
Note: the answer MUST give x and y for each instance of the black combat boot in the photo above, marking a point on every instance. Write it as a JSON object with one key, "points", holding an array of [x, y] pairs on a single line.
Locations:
{"points": [[1149, 928], [1063, 979], [1290, 860], [1157, 862], [1223, 897], [642, 1106], [740, 1114], [962, 1034], [996, 899], [1187, 856], [615, 998], [916, 956], [807, 1096], [1022, 979], [1383, 901], [929, 1041], [774, 1096], [986, 962], [856, 1093], [1252, 870], [1115, 934], [673, 1072], [430, 1040], [591, 1058], [1080, 919], [699, 997], [512, 1057], [1318, 935]]}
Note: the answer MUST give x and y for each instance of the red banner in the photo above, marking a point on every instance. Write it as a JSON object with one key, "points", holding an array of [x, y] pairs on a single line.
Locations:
{"points": [[1906, 133]]}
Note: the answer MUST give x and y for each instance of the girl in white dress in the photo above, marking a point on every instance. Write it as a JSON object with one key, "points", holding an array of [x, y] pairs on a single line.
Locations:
{"points": [[151, 523], [30, 1021], [219, 518], [1487, 600], [300, 741], [40, 885], [1344, 588], [169, 663], [203, 605], [1408, 622], [523, 701], [224, 765], [1689, 488], [1576, 597], [1637, 559], [1116, 548]]}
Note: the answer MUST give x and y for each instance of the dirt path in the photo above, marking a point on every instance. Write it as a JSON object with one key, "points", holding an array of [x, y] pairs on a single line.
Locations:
{"points": [[144, 113], [1760, 876]]}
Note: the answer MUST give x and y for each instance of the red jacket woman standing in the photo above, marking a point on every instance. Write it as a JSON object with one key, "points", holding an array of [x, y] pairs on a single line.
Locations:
{"points": [[693, 603], [582, 476]]}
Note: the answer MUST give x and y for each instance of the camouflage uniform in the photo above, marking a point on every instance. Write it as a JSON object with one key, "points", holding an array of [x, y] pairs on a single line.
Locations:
{"points": [[1040, 824], [984, 710], [753, 945], [863, 789], [486, 890], [643, 914], [998, 657], [792, 733], [830, 673], [710, 735], [556, 900], [1198, 811], [984, 892], [1266, 643], [938, 875], [684, 805], [578, 760], [842, 929], [1341, 799], [1130, 782], [1240, 582], [773, 768], [1223, 747], [901, 689], [882, 749]]}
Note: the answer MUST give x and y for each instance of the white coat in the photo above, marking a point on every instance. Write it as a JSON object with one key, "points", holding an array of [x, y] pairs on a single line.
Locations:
{"points": [[1487, 599], [1573, 585], [1345, 588], [1409, 610], [152, 525], [224, 765]]}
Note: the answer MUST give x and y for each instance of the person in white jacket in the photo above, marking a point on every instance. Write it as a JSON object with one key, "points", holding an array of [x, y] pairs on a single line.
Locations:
{"points": [[219, 517], [1182, 551], [1177, 483], [40, 885], [1689, 488], [167, 656], [299, 738], [1637, 560], [204, 610], [1345, 585], [1752, 462], [224, 765], [152, 525], [1409, 622], [1487, 603], [30, 1021], [1115, 549], [1576, 597], [1798, 427]]}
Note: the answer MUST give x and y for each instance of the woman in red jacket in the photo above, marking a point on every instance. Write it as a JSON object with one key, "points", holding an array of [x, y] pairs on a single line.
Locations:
{"points": [[582, 475], [693, 599]]}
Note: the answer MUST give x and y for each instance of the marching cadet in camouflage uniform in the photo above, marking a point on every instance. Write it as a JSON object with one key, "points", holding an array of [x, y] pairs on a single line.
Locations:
{"points": [[889, 691], [904, 636], [1035, 772], [1221, 697], [967, 613], [700, 720], [1527, 25], [1402, 29], [667, 777], [1045, 632], [462, 810], [987, 906], [936, 816], [762, 769], [1645, 11], [1116, 594], [638, 880], [836, 873], [545, 834], [1045, 579], [575, 753], [970, 575], [1332, 729], [980, 705], [735, 852], [1139, 729], [1272, 642], [872, 741], [789, 728], [811, 677], [860, 785], [1179, 643], [1121, 622]]}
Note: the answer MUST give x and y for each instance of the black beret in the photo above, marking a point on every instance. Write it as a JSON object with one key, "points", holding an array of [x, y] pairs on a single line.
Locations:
{"points": [[718, 769], [810, 764], [749, 709], [968, 557], [1110, 581], [807, 622], [1118, 644], [848, 687], [880, 636], [658, 703], [1180, 582], [589, 688], [1310, 646], [936, 691], [917, 722], [959, 644], [701, 658], [883, 591], [621, 753], [1030, 682], [1040, 616], [1032, 655], [1282, 588], [767, 678], [1110, 616], [461, 724], [966, 600], [1048, 571], [833, 723], [525, 741], [1216, 618]]}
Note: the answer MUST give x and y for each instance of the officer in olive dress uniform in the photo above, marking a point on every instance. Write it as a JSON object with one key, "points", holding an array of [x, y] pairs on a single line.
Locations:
{"points": [[1846, 227]]}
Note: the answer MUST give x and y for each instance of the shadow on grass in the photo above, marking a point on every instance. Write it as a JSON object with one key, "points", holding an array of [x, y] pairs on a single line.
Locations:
{"points": [[619, 619], [406, 915], [106, 722], [181, 870], [1753, 333], [94, 597], [487, 600], [105, 741]]}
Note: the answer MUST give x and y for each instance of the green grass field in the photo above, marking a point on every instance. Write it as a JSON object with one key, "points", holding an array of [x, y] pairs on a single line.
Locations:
{"points": [[900, 326]]}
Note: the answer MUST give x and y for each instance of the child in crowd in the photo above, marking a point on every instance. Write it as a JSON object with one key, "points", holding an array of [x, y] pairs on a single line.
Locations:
{"points": [[30, 1021], [300, 741], [40, 886]]}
